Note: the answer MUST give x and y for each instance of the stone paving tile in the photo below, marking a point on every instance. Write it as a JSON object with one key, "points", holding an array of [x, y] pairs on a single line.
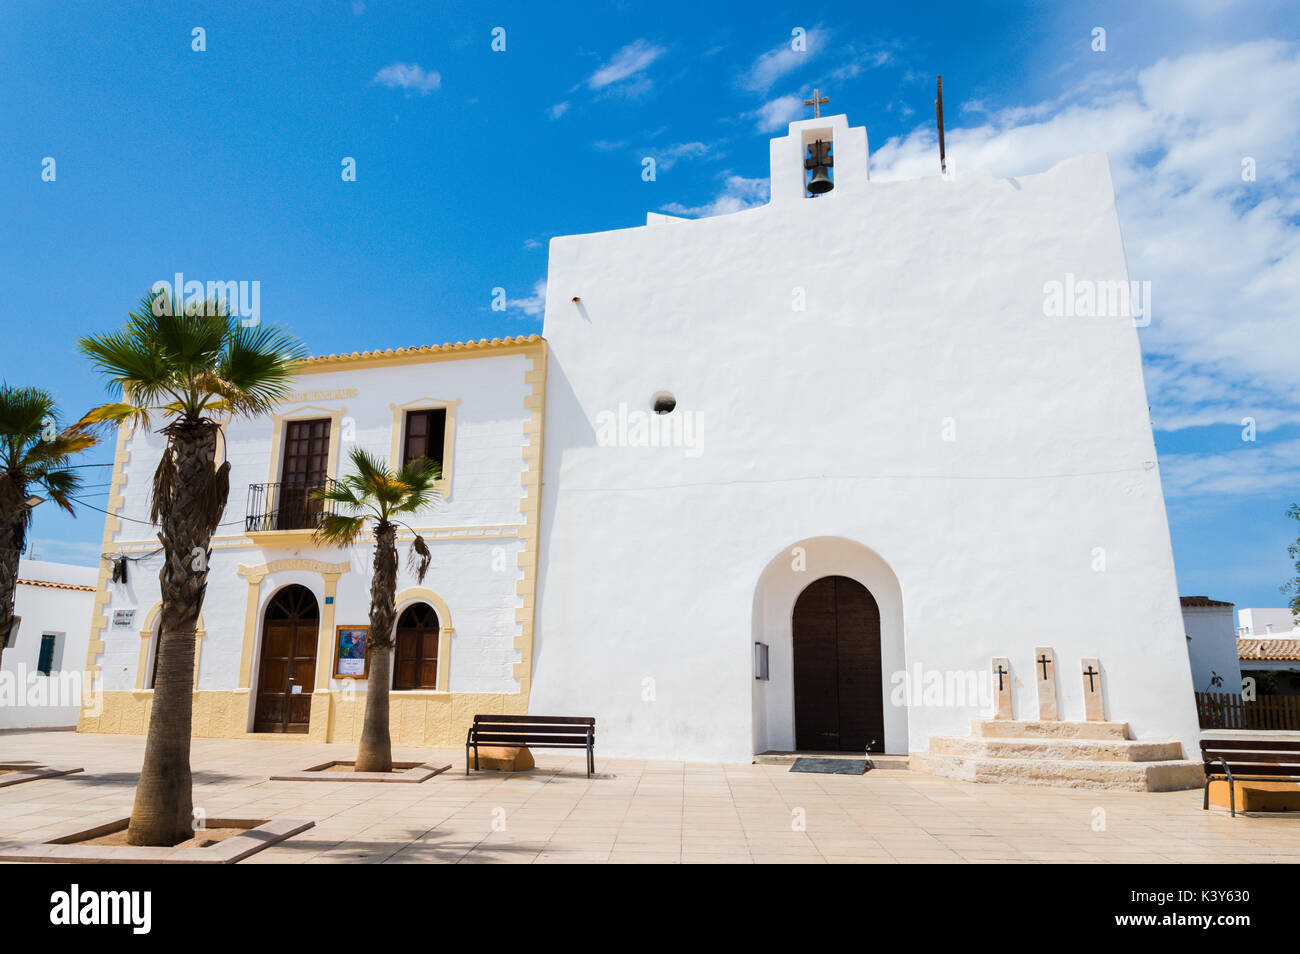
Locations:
{"points": [[640, 812]]}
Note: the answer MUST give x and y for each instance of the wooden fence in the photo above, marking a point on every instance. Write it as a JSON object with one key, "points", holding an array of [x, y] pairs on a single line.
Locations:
{"points": [[1226, 710]]}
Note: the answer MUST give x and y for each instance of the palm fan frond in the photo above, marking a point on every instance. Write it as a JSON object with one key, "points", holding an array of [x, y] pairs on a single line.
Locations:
{"points": [[34, 451], [339, 529]]}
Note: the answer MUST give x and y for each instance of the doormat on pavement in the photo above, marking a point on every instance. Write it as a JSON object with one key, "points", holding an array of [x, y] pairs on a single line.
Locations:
{"points": [[830, 766]]}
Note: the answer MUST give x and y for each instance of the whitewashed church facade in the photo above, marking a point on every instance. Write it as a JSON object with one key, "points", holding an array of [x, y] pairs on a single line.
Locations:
{"points": [[876, 394], [766, 481]]}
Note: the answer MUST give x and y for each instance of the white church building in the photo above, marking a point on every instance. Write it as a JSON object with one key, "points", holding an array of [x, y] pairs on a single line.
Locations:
{"points": [[867, 470], [896, 460]]}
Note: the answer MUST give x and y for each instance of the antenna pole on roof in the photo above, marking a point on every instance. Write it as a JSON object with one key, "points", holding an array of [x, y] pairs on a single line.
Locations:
{"points": [[938, 115]]}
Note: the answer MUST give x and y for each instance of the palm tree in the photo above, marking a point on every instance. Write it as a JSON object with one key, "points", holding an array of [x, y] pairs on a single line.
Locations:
{"points": [[189, 368], [33, 456], [377, 495]]}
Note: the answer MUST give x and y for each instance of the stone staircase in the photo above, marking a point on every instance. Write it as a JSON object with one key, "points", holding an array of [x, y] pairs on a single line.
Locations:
{"points": [[1095, 755]]}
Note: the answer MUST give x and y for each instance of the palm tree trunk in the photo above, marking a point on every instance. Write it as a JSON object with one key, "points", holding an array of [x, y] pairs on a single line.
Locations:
{"points": [[12, 533], [375, 753], [163, 811]]}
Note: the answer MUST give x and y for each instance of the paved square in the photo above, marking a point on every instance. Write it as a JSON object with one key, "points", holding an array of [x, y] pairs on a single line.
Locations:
{"points": [[640, 811]]}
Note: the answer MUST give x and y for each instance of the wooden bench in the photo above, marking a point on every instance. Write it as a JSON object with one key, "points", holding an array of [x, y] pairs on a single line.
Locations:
{"points": [[1248, 760], [535, 732]]}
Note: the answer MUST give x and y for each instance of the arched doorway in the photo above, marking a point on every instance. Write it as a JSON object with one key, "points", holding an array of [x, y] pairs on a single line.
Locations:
{"points": [[838, 697], [288, 668], [416, 657]]}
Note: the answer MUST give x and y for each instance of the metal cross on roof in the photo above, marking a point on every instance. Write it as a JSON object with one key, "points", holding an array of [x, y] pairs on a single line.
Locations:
{"points": [[816, 103]]}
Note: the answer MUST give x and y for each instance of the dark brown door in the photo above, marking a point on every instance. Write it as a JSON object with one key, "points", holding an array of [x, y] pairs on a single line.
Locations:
{"points": [[417, 649], [838, 698], [289, 630], [306, 465]]}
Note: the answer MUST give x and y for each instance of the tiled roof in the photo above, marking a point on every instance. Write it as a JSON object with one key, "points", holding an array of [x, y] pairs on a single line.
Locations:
{"points": [[1254, 648], [59, 586], [483, 344], [1202, 601]]}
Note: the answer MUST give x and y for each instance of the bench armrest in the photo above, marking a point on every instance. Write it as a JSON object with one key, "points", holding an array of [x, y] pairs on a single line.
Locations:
{"points": [[1226, 771]]}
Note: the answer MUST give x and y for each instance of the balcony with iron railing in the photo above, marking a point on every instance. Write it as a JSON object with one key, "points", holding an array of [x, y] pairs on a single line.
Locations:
{"points": [[286, 507]]}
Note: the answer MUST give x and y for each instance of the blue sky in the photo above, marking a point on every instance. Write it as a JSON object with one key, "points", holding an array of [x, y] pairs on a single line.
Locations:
{"points": [[225, 164]]}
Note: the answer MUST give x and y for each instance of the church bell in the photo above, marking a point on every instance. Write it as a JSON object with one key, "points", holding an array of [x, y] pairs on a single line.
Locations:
{"points": [[819, 160]]}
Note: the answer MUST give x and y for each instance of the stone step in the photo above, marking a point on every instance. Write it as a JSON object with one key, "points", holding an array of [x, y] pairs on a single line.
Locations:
{"points": [[1020, 729], [1057, 749], [1162, 776]]}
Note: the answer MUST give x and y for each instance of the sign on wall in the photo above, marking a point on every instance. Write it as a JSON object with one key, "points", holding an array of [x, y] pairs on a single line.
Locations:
{"points": [[350, 652], [123, 618]]}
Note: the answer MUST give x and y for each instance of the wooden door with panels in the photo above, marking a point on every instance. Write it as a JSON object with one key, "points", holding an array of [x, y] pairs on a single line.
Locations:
{"points": [[838, 691], [287, 671]]}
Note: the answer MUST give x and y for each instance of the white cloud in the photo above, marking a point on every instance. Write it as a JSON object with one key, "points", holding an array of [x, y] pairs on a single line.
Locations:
{"points": [[776, 63], [779, 113], [1222, 254], [558, 110], [860, 60], [738, 193], [625, 65], [666, 156], [533, 305], [1254, 469], [410, 77]]}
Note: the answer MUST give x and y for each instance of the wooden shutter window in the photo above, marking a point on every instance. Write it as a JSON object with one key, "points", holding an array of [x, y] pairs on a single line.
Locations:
{"points": [[305, 469], [426, 432], [306, 453], [45, 661], [416, 663]]}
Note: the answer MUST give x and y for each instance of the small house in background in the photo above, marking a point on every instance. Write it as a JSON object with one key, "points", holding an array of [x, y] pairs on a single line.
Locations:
{"points": [[1211, 644], [1264, 622], [41, 676], [1268, 649]]}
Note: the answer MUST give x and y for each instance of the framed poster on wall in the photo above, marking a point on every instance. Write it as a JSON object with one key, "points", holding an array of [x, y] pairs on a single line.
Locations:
{"points": [[350, 652]]}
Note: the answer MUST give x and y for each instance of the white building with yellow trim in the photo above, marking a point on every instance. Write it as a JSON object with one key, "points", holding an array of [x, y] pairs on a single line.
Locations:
{"points": [[267, 658]]}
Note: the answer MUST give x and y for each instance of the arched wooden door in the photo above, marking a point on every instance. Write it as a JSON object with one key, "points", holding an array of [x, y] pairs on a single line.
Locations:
{"points": [[417, 648], [288, 667], [838, 697]]}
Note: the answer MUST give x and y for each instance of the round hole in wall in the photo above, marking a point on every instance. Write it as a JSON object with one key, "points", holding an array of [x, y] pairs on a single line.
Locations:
{"points": [[663, 403]]}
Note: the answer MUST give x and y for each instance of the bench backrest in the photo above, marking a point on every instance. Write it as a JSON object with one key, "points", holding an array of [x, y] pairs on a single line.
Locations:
{"points": [[557, 731], [1253, 756]]}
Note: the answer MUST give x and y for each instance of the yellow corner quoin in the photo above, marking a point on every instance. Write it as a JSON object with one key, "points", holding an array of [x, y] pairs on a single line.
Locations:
{"points": [[92, 717], [418, 717]]}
